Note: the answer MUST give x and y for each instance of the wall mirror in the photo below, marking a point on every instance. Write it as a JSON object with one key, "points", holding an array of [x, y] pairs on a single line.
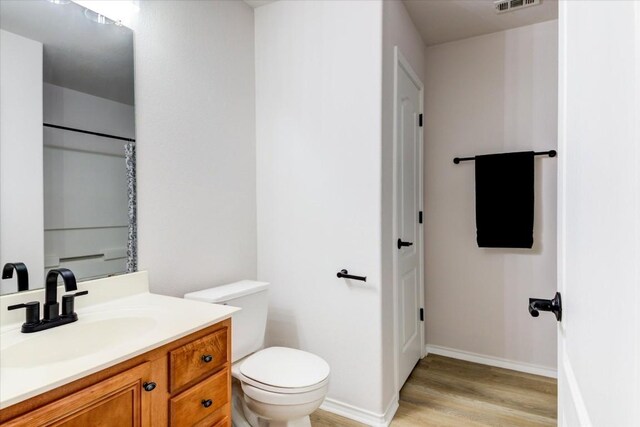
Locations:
{"points": [[67, 141]]}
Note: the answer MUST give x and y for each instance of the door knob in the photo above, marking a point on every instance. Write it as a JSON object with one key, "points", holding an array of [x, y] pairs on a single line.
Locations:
{"points": [[536, 305], [401, 244]]}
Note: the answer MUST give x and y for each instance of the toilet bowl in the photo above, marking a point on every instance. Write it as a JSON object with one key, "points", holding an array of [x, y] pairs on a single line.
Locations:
{"points": [[271, 387], [280, 386]]}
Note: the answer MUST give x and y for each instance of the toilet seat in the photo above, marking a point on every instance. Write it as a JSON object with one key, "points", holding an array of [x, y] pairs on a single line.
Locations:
{"points": [[277, 398], [282, 390], [283, 370]]}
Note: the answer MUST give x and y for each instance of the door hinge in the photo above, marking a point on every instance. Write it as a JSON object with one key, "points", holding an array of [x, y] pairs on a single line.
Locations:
{"points": [[422, 314], [420, 217], [420, 119]]}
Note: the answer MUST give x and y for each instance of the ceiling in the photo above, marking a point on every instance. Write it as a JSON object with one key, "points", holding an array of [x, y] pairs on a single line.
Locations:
{"points": [[258, 3], [441, 21], [78, 54]]}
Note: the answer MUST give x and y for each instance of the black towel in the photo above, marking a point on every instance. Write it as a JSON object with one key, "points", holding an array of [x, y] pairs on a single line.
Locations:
{"points": [[504, 200]]}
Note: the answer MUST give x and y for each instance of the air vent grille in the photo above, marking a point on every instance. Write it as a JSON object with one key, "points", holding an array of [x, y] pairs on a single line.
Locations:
{"points": [[503, 6]]}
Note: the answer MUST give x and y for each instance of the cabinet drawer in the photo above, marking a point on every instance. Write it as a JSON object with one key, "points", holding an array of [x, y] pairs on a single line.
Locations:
{"points": [[197, 358], [223, 423], [189, 407], [212, 421]]}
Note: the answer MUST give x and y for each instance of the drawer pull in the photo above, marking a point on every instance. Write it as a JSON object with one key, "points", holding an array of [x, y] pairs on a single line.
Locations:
{"points": [[206, 403], [149, 386], [207, 358]]}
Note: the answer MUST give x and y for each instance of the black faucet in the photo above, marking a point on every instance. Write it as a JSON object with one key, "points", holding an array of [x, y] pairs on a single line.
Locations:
{"points": [[51, 306], [52, 316], [23, 274]]}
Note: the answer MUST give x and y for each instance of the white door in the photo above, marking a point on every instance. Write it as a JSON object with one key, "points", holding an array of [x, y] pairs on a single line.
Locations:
{"points": [[408, 200], [599, 214]]}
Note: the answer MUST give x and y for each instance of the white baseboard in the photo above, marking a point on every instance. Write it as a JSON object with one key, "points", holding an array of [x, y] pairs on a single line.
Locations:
{"points": [[492, 361], [361, 415]]}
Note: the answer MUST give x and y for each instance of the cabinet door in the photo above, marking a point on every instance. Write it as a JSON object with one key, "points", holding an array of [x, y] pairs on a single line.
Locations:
{"points": [[119, 401]]}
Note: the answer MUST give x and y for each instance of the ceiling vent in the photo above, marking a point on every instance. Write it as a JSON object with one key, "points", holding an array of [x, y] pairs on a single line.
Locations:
{"points": [[503, 6]]}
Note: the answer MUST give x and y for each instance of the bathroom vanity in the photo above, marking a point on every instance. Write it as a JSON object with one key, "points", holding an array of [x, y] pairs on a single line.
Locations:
{"points": [[132, 359]]}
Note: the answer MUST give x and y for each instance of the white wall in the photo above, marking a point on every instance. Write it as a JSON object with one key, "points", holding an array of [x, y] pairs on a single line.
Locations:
{"points": [[67, 107], [85, 183], [318, 104], [398, 30], [195, 132], [21, 212], [487, 94]]}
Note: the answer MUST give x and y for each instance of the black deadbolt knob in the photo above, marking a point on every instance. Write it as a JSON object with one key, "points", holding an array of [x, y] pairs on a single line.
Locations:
{"points": [[207, 358], [149, 386], [207, 402]]}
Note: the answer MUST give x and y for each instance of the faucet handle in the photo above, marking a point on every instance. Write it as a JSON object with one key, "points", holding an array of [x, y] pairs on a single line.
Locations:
{"points": [[68, 302], [78, 294], [33, 311]]}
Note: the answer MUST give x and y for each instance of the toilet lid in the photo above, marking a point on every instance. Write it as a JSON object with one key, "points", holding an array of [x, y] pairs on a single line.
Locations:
{"points": [[285, 367]]}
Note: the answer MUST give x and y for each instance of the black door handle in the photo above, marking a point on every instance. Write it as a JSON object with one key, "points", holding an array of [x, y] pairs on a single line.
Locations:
{"points": [[536, 305], [345, 274], [401, 244]]}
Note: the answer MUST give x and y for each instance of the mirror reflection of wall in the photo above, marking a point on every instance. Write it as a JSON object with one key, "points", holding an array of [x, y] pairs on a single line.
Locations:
{"points": [[85, 183], [67, 112]]}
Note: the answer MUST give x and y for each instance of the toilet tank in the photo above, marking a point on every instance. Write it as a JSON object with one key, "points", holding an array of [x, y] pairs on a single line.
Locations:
{"points": [[249, 324]]}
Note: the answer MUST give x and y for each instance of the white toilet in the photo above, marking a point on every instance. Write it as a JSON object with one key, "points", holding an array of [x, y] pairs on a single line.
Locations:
{"points": [[273, 387]]}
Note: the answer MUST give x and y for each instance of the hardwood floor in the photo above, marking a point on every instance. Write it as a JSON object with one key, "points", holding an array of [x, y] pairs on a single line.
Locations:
{"points": [[450, 392]]}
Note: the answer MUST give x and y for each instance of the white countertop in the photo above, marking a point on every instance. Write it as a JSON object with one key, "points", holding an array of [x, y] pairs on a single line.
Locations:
{"points": [[104, 335]]}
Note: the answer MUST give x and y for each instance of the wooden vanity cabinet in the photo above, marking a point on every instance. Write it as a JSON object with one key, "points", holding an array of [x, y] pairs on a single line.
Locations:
{"points": [[117, 401], [183, 383]]}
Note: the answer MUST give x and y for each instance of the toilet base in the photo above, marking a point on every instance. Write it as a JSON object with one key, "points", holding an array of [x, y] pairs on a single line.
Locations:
{"points": [[244, 416], [255, 421], [302, 422]]}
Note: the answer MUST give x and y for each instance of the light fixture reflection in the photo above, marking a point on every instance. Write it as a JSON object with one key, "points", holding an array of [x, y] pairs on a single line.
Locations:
{"points": [[119, 12], [96, 17]]}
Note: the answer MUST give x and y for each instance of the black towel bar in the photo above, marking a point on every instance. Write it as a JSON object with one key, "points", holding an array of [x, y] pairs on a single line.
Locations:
{"points": [[550, 153], [344, 274]]}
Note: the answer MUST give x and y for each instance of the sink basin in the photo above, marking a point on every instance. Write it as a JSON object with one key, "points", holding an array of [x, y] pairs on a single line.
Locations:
{"points": [[73, 341]]}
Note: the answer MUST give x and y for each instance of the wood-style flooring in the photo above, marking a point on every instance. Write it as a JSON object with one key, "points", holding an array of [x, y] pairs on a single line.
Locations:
{"points": [[448, 392]]}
